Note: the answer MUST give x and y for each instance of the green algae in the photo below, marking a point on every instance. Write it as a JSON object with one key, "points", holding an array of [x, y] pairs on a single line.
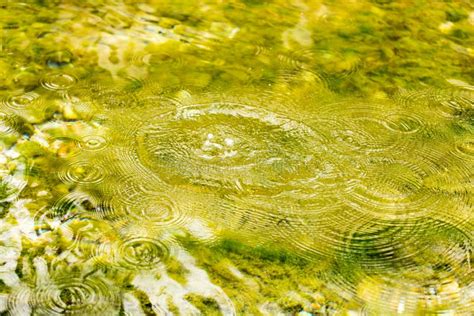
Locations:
{"points": [[208, 306], [268, 274], [388, 47]]}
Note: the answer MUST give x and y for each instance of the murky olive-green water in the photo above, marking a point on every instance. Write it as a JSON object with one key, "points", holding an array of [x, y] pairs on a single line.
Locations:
{"points": [[239, 157]]}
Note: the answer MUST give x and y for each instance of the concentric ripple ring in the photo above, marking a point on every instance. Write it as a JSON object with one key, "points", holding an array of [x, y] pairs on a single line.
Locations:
{"points": [[228, 145]]}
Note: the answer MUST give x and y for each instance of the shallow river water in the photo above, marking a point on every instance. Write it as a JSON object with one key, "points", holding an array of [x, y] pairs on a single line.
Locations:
{"points": [[242, 157]]}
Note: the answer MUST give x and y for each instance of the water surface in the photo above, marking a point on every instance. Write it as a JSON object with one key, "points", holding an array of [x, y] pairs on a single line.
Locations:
{"points": [[236, 157]]}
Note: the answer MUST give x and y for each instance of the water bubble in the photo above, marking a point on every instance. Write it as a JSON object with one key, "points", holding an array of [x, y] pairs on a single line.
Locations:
{"points": [[59, 81]]}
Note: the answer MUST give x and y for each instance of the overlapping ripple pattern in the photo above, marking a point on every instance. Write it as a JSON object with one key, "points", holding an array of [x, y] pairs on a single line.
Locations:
{"points": [[178, 161], [357, 182]]}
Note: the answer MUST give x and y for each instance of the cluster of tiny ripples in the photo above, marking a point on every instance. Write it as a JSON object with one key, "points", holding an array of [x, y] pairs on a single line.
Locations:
{"points": [[145, 146]]}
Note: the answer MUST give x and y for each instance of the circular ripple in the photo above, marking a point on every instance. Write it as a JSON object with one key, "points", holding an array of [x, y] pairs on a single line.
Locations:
{"points": [[141, 253], [338, 65], [419, 261], [390, 187], [58, 81], [228, 145], [376, 243], [82, 172], [19, 301], [22, 101], [76, 296], [447, 103], [403, 123], [86, 235], [296, 58], [465, 148], [358, 129], [312, 226], [115, 99], [81, 103], [64, 210], [351, 138], [93, 142], [8, 124], [451, 102], [145, 200], [157, 209]]}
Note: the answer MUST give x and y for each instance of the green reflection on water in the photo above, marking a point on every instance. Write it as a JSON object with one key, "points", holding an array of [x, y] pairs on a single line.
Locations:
{"points": [[236, 158]]}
